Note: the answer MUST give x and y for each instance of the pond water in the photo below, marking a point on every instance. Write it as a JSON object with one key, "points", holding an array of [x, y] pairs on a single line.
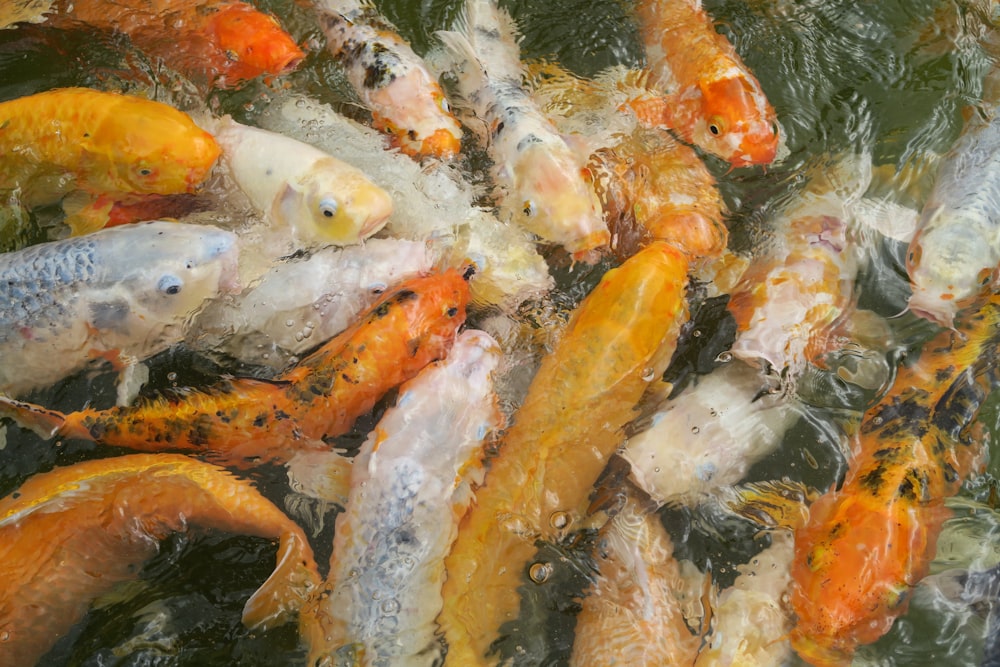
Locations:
{"points": [[891, 79]]}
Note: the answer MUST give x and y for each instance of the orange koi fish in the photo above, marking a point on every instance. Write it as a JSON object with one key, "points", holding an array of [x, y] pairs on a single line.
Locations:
{"points": [[710, 98], [220, 44], [392, 81], [70, 535], [618, 340], [104, 147], [240, 418], [631, 614], [866, 545]]}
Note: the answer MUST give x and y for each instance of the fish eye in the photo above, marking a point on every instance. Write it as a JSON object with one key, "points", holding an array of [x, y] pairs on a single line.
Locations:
{"points": [[328, 207], [914, 256], [985, 277], [528, 207], [443, 104], [145, 172], [170, 285], [716, 125]]}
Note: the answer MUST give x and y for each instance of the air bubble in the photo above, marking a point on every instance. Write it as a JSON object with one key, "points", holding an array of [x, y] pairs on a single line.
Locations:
{"points": [[559, 520], [540, 572]]}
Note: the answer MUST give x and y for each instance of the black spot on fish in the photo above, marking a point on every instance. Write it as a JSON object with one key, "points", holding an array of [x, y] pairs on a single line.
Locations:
{"points": [[281, 415], [379, 71], [260, 420], [528, 141], [348, 378], [382, 310], [874, 479]]}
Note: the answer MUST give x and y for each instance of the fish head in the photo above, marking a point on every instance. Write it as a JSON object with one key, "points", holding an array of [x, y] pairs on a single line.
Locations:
{"points": [[151, 148], [333, 203], [254, 42], [736, 122], [413, 109], [950, 264], [174, 268]]}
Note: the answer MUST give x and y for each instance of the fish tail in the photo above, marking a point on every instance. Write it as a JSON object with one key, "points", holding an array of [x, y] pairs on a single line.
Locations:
{"points": [[287, 589], [46, 424]]}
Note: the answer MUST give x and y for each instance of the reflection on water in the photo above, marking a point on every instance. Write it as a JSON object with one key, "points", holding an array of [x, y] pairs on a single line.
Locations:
{"points": [[890, 79]]}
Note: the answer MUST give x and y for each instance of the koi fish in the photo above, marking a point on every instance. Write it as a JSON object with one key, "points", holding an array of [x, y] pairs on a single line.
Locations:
{"points": [[709, 96], [109, 147], [241, 418], [954, 256], [216, 44], [119, 295], [392, 81], [410, 483], [542, 180], [617, 341], [72, 534], [867, 544], [439, 203], [631, 614], [300, 188], [303, 300]]}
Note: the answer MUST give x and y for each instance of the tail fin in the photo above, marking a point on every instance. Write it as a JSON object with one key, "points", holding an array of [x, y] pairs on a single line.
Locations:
{"points": [[44, 423], [293, 581]]}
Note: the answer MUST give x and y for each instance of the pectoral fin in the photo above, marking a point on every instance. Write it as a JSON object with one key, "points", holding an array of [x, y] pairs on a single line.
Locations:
{"points": [[289, 587]]}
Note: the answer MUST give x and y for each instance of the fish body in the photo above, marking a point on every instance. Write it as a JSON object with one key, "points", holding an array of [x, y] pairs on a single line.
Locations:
{"points": [[541, 178], [392, 81], [631, 614], [218, 44], [304, 300], [617, 341], [410, 483], [107, 146], [711, 98], [239, 419], [868, 543], [72, 534], [318, 197], [954, 256], [119, 294]]}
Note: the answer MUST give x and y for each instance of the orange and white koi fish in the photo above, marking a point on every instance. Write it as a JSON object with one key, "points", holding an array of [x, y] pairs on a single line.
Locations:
{"points": [[439, 203], [108, 147], [304, 300], [868, 543], [709, 96], [220, 44], [954, 257], [319, 198], [240, 418], [392, 81], [618, 340], [410, 484], [119, 295], [72, 534], [631, 614], [542, 181]]}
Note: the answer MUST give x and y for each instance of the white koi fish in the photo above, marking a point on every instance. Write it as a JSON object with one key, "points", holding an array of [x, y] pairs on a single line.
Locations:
{"points": [[542, 180], [410, 483], [120, 294]]}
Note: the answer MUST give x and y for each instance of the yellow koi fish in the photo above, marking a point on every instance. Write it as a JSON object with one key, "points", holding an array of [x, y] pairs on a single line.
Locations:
{"points": [[70, 535], [618, 340]]}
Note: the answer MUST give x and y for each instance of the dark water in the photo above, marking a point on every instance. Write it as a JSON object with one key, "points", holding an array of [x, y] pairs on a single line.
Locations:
{"points": [[890, 78]]}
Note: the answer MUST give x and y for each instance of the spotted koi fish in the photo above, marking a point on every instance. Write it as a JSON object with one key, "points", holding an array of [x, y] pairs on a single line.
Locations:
{"points": [[866, 545], [709, 96], [392, 81], [410, 483], [541, 179], [412, 325], [106, 147], [618, 340], [218, 44], [72, 534]]}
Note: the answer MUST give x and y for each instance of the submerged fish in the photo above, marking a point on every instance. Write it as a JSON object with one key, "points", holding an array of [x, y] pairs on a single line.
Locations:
{"points": [[617, 341], [106, 147], [709, 96], [219, 44], [542, 180], [304, 300], [70, 535], [392, 81], [410, 483], [954, 256], [866, 544], [119, 295], [300, 189], [242, 419]]}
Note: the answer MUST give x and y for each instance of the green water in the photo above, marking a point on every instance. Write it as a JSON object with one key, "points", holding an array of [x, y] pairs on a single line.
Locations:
{"points": [[891, 78]]}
